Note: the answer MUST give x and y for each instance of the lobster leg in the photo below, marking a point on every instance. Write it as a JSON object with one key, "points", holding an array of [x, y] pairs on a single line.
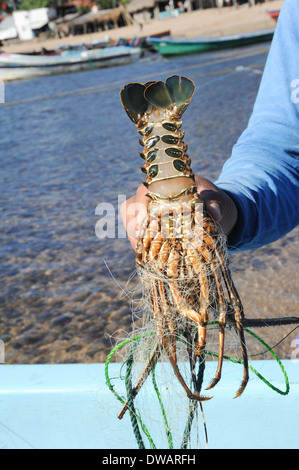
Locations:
{"points": [[222, 322], [239, 317], [170, 330], [200, 258], [172, 354], [195, 317], [154, 356], [213, 246], [186, 311], [194, 259]]}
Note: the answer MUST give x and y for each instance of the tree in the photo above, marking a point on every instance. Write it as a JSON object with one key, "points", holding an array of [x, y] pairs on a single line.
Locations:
{"points": [[105, 4], [8, 6], [31, 4]]}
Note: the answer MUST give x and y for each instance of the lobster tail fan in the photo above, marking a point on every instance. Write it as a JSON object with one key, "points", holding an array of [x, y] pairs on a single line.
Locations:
{"points": [[175, 91], [157, 94], [133, 101], [181, 89]]}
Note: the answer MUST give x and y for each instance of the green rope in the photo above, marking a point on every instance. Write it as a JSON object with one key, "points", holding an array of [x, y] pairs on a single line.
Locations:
{"points": [[192, 407], [109, 357], [107, 377], [275, 345], [260, 376], [112, 389], [166, 425], [131, 406], [193, 404], [134, 414], [281, 392]]}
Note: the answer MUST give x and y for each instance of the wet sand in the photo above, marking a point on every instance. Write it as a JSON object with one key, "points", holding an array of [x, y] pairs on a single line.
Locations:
{"points": [[209, 22]]}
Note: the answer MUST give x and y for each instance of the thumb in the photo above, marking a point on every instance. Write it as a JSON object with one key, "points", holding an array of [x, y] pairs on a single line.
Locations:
{"points": [[214, 210], [219, 204]]}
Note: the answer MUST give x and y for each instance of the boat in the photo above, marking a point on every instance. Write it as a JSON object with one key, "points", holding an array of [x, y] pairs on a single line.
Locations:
{"points": [[19, 66], [274, 14], [69, 406], [142, 41], [171, 46]]}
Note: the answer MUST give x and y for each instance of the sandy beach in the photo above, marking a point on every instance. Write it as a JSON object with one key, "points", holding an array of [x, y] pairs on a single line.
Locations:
{"points": [[209, 22]]}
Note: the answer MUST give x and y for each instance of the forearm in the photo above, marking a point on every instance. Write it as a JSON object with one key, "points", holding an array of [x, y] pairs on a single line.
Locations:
{"points": [[262, 173], [265, 189]]}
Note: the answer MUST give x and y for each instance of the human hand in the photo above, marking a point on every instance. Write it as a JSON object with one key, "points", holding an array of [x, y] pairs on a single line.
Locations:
{"points": [[219, 205]]}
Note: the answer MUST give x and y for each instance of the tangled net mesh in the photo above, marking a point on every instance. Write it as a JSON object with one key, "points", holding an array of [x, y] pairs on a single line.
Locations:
{"points": [[143, 346]]}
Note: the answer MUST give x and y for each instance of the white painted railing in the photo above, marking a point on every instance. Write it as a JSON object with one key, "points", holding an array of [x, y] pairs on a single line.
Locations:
{"points": [[70, 407]]}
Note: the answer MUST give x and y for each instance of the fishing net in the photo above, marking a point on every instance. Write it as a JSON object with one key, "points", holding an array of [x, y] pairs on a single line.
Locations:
{"points": [[147, 387], [156, 404]]}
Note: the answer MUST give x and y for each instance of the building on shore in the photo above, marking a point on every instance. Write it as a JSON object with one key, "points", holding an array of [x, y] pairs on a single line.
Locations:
{"points": [[144, 10], [23, 25], [99, 20]]}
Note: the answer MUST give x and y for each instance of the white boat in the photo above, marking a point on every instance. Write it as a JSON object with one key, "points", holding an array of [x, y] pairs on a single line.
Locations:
{"points": [[18, 66]]}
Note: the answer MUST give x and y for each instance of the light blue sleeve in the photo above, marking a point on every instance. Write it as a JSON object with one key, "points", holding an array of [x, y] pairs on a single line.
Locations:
{"points": [[262, 174]]}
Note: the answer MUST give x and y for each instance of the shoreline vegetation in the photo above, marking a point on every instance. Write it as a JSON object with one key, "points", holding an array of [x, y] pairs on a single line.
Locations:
{"points": [[199, 23]]}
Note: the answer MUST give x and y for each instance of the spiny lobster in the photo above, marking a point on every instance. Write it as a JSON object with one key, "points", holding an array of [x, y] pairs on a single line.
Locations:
{"points": [[179, 244]]}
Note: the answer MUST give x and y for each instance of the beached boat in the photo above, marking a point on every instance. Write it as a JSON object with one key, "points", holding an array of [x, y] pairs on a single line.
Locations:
{"points": [[168, 47], [274, 14], [142, 41], [17, 66]]}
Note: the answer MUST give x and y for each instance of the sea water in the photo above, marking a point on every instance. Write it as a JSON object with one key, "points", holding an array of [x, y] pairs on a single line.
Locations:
{"points": [[68, 148]]}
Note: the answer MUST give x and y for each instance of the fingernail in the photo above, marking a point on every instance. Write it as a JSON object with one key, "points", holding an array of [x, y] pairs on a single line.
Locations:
{"points": [[215, 211]]}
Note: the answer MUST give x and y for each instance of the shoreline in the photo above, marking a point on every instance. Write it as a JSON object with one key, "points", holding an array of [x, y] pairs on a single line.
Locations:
{"points": [[199, 23]]}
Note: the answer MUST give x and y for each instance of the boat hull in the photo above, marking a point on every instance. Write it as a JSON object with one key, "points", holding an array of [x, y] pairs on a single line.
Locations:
{"points": [[169, 47], [274, 14], [69, 406], [17, 66]]}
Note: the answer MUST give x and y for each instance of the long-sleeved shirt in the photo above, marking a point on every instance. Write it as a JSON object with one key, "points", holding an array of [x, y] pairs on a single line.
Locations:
{"points": [[262, 174]]}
